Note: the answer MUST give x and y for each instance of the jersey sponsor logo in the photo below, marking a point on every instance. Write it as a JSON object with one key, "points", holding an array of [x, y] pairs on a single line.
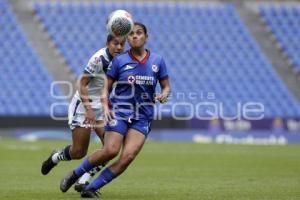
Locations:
{"points": [[128, 67], [131, 79], [141, 80], [154, 68], [144, 80], [97, 60]]}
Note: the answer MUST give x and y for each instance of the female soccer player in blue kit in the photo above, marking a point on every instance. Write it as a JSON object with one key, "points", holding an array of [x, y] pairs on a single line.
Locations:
{"points": [[136, 73]]}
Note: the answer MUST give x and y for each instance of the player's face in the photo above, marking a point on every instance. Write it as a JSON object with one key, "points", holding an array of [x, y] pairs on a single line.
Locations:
{"points": [[137, 37], [116, 46]]}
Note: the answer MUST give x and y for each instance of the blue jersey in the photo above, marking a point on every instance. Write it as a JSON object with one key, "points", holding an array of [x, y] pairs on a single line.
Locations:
{"points": [[134, 94]]}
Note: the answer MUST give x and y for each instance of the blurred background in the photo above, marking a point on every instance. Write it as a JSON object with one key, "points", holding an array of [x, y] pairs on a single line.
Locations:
{"points": [[234, 66]]}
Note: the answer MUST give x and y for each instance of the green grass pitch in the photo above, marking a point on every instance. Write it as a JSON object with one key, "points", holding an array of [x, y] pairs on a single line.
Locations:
{"points": [[162, 171]]}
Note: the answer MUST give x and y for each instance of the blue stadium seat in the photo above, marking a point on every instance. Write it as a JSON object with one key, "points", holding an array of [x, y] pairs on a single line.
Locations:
{"points": [[212, 50], [26, 80], [283, 21]]}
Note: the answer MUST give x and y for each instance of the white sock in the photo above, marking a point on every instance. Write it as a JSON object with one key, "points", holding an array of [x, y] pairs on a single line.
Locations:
{"points": [[55, 157], [85, 178]]}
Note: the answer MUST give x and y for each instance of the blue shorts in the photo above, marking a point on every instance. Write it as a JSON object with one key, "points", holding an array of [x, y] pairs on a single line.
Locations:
{"points": [[121, 126]]}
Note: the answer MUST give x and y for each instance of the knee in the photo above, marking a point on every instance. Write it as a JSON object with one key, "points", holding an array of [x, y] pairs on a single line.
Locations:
{"points": [[111, 152], [126, 160], [78, 153]]}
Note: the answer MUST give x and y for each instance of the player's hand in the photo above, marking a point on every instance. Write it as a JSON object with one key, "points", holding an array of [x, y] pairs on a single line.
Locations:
{"points": [[162, 98], [90, 119], [108, 113]]}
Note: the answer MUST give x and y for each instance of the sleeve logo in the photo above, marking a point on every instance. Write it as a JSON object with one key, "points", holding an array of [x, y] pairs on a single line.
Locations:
{"points": [[154, 68]]}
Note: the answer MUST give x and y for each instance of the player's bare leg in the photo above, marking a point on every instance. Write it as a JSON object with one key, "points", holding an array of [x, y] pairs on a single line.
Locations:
{"points": [[133, 143], [78, 149], [81, 141], [85, 178], [112, 145]]}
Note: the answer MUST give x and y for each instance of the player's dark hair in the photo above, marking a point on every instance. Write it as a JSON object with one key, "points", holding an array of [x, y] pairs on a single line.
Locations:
{"points": [[141, 25], [109, 38]]}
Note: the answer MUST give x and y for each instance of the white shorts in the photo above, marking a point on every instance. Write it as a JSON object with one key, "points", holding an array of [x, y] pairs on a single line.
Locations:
{"points": [[76, 113]]}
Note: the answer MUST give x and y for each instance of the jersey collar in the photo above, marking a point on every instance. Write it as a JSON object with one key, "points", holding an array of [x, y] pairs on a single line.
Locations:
{"points": [[143, 61], [110, 57]]}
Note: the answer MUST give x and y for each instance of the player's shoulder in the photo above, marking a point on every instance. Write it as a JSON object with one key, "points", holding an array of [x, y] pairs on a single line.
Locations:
{"points": [[98, 56], [122, 57], [155, 56]]}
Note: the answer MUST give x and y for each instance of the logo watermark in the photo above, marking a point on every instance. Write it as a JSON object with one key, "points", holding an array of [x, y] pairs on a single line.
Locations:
{"points": [[181, 105]]}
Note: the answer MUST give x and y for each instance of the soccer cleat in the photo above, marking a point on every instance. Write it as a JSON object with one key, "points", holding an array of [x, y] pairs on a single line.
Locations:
{"points": [[68, 181], [80, 186], [48, 164], [90, 193]]}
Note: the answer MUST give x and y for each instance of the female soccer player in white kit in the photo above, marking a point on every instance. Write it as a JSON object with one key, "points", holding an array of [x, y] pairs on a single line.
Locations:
{"points": [[86, 111]]}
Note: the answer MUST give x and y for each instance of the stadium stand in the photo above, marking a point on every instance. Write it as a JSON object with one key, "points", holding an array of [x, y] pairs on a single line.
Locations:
{"points": [[284, 23], [25, 83], [207, 47]]}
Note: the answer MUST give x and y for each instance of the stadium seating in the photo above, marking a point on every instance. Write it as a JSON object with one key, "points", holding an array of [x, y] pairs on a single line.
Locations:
{"points": [[25, 83], [208, 50], [284, 23]]}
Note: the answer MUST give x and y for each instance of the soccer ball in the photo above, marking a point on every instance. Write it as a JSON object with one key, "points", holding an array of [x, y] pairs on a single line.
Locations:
{"points": [[119, 23]]}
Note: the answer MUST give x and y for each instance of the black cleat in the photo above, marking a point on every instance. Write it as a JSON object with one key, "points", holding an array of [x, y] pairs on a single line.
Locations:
{"points": [[80, 186], [68, 181], [90, 193], [48, 164]]}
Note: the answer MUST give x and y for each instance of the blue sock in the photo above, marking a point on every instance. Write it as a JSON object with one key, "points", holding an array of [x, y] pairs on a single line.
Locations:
{"points": [[85, 166], [105, 177]]}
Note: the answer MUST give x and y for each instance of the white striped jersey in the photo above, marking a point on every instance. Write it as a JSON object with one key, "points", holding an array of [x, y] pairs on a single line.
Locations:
{"points": [[96, 69]]}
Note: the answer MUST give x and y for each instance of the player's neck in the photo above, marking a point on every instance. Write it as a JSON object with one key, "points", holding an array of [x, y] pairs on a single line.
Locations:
{"points": [[139, 53]]}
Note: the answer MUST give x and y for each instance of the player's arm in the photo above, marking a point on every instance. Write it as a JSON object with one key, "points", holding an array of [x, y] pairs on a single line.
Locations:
{"points": [[165, 90], [83, 92], [104, 98], [112, 76], [164, 83]]}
